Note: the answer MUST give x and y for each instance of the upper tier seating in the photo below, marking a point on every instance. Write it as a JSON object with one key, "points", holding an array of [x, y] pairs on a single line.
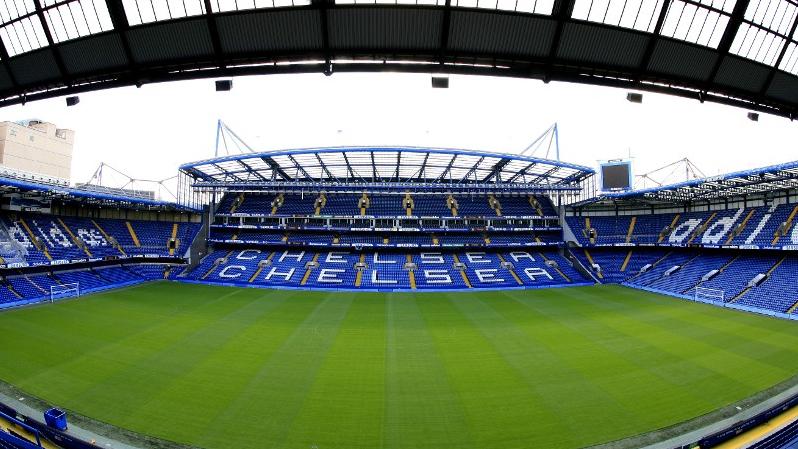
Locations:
{"points": [[382, 205], [78, 238], [741, 226]]}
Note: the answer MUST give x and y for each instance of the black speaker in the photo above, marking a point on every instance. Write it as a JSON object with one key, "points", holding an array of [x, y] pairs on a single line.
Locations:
{"points": [[224, 85], [440, 82], [72, 101], [634, 98]]}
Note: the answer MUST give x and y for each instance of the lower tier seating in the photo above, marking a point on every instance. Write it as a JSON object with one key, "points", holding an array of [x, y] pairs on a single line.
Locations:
{"points": [[756, 279], [26, 287], [388, 270]]}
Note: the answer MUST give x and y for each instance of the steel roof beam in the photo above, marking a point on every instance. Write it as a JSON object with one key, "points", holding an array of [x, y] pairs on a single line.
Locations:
{"points": [[253, 171], [656, 34], [561, 11], [444, 37], [735, 20], [495, 170], [276, 168], [116, 10], [352, 172], [323, 6], [473, 169], [446, 171], [223, 172], [398, 164], [775, 68], [59, 61], [423, 168], [324, 168], [545, 175], [373, 167], [299, 167], [4, 57], [521, 172], [213, 30]]}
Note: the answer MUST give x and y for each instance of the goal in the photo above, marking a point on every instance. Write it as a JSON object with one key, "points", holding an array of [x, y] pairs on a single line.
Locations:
{"points": [[64, 291], [704, 294]]}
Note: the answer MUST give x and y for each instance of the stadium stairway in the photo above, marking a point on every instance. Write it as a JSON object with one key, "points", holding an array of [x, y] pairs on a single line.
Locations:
{"points": [[630, 232], [133, 234], [776, 291], [319, 204], [533, 201], [359, 275], [237, 203], [626, 260], [511, 269], [702, 228], [782, 231], [494, 204], [592, 263], [653, 265], [667, 231], [451, 203], [108, 238], [767, 274], [363, 204], [739, 229], [408, 204], [79, 243], [35, 240], [173, 238], [277, 203], [411, 272], [720, 270]]}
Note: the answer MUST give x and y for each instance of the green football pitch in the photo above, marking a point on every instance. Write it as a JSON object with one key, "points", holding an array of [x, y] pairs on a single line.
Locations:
{"points": [[220, 367]]}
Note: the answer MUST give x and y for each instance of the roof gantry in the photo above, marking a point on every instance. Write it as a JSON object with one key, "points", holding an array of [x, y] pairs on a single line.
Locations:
{"points": [[385, 168], [739, 52], [761, 180]]}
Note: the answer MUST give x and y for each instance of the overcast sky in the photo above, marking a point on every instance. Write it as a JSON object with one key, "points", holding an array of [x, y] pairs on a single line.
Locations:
{"points": [[149, 132]]}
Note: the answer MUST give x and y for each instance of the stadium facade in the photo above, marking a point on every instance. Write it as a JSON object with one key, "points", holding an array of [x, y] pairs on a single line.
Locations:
{"points": [[395, 218]]}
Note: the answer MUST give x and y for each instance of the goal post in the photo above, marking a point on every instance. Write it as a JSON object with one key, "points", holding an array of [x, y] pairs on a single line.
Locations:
{"points": [[62, 291], [704, 294]]}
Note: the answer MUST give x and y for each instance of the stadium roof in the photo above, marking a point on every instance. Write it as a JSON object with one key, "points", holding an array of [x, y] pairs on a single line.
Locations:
{"points": [[388, 168], [760, 180], [739, 52], [95, 195]]}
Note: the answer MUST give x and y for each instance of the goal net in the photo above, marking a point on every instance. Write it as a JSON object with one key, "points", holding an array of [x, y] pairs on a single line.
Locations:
{"points": [[704, 294], [64, 291]]}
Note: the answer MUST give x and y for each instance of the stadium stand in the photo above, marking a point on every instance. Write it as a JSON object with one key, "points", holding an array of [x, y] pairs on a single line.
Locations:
{"points": [[761, 226], [739, 248], [46, 238], [388, 270], [349, 205]]}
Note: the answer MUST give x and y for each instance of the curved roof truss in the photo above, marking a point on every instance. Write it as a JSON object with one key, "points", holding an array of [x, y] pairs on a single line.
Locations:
{"points": [[739, 52], [385, 168], [737, 184]]}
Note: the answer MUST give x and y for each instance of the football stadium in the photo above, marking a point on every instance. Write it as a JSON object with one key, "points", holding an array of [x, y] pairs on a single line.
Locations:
{"points": [[388, 296]]}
